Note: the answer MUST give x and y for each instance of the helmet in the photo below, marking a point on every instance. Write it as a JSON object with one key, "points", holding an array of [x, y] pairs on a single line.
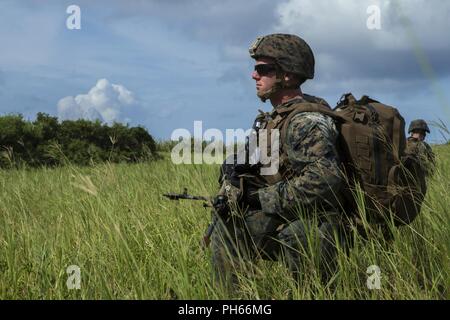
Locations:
{"points": [[291, 53], [418, 124]]}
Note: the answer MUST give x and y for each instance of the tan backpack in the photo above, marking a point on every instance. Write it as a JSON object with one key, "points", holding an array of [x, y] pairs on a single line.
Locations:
{"points": [[371, 145]]}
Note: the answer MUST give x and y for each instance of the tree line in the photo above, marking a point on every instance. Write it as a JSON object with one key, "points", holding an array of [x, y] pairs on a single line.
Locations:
{"points": [[48, 142]]}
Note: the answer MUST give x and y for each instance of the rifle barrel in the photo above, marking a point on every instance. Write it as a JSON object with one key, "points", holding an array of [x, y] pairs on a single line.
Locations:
{"points": [[177, 196]]}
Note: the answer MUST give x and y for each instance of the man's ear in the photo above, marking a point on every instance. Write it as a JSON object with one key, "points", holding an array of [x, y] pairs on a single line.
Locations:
{"points": [[289, 78]]}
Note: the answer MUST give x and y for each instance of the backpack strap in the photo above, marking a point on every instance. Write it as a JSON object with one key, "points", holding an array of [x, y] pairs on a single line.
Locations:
{"points": [[397, 145], [305, 107], [345, 100], [378, 179]]}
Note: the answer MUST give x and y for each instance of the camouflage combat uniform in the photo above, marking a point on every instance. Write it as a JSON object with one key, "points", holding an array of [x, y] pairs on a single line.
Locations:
{"points": [[298, 203], [425, 159], [424, 153], [291, 210], [420, 153]]}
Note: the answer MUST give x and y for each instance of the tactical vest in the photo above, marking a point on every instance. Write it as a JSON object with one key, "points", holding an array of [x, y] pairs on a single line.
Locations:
{"points": [[279, 119]]}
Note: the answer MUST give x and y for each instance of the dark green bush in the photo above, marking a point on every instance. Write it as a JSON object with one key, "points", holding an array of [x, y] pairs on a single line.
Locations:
{"points": [[47, 142]]}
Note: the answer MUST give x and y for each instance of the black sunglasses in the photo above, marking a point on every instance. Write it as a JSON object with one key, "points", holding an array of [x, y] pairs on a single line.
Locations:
{"points": [[265, 69]]}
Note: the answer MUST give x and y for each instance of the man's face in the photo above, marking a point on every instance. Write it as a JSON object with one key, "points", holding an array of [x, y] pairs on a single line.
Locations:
{"points": [[418, 134], [267, 78]]}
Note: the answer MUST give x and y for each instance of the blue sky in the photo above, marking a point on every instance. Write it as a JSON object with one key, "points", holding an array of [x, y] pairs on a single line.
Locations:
{"points": [[168, 63]]}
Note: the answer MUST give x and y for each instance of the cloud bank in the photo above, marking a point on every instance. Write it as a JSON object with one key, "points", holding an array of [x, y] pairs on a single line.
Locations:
{"points": [[105, 102], [412, 37]]}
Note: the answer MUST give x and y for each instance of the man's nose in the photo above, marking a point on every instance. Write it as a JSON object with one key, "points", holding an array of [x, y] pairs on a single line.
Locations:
{"points": [[255, 75]]}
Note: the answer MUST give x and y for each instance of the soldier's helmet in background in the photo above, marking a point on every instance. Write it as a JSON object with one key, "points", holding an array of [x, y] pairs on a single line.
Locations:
{"points": [[418, 124], [289, 51]]}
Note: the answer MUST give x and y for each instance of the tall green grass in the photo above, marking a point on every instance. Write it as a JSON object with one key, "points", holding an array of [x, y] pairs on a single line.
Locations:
{"points": [[131, 243]]}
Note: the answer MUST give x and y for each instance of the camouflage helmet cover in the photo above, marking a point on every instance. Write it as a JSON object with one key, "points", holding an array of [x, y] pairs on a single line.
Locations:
{"points": [[418, 124], [290, 52]]}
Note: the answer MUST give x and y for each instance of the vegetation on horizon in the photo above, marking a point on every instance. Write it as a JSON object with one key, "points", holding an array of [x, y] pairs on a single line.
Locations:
{"points": [[48, 142]]}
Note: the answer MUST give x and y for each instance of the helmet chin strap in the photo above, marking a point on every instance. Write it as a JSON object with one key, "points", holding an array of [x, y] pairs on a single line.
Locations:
{"points": [[277, 86], [268, 93]]}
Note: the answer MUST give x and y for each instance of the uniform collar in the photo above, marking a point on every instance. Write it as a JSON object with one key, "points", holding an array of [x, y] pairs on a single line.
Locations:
{"points": [[287, 104]]}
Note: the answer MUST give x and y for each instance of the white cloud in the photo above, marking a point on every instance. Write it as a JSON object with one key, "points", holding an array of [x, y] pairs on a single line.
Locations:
{"points": [[105, 101]]}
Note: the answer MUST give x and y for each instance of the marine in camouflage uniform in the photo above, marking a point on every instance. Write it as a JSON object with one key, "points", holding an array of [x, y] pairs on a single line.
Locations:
{"points": [[423, 165], [420, 151], [275, 220]]}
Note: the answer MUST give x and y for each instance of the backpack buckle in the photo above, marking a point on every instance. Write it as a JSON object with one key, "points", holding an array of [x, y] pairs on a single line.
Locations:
{"points": [[359, 116]]}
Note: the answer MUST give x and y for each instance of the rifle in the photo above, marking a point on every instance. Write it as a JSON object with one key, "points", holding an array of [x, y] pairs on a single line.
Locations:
{"points": [[207, 204], [186, 196]]}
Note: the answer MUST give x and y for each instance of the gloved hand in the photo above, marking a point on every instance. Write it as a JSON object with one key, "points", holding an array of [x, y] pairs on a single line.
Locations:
{"points": [[231, 170], [251, 198], [220, 205]]}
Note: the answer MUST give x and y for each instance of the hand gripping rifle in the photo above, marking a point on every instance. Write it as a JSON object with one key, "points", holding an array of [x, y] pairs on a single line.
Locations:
{"points": [[217, 204]]}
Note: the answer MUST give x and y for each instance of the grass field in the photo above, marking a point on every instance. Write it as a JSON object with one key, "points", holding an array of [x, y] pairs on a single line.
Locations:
{"points": [[131, 243]]}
